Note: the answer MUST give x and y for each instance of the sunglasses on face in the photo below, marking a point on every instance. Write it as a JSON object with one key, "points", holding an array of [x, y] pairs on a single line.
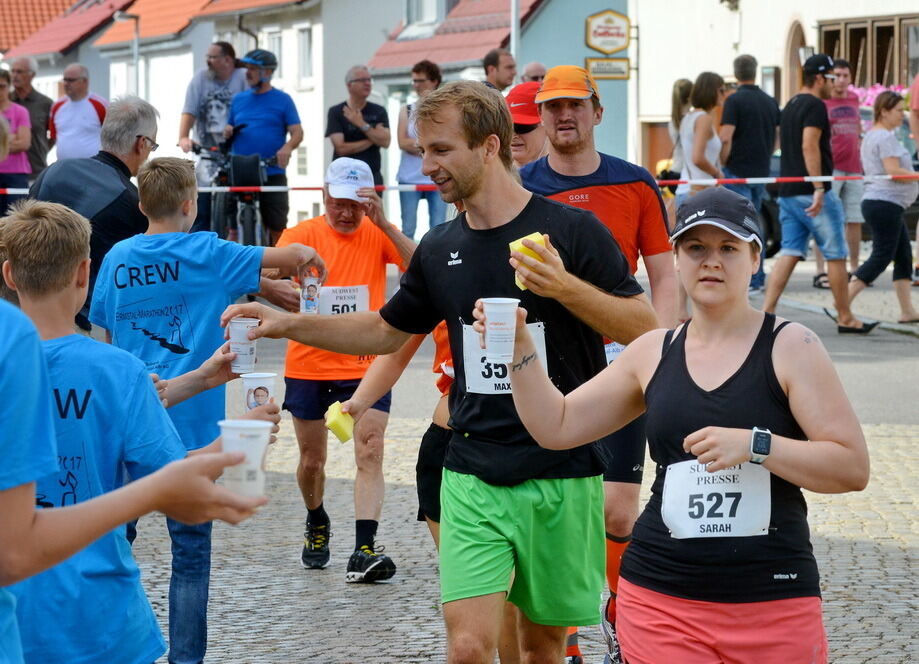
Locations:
{"points": [[524, 128]]}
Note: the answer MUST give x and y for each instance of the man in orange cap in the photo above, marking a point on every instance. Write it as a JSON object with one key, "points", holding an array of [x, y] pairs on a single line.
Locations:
{"points": [[529, 142], [626, 199]]}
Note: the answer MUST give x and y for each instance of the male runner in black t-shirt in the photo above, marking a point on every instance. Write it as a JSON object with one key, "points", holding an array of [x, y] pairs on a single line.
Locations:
{"points": [[807, 209], [509, 507]]}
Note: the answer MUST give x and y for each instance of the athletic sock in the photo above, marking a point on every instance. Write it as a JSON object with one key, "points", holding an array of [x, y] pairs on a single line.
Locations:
{"points": [[317, 517], [572, 649], [615, 547], [365, 530]]}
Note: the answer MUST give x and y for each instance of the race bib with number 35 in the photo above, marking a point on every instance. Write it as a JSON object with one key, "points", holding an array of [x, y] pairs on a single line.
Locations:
{"points": [[734, 502], [486, 378]]}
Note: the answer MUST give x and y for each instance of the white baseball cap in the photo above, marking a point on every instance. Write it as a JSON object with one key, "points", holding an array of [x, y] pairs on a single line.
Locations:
{"points": [[345, 176]]}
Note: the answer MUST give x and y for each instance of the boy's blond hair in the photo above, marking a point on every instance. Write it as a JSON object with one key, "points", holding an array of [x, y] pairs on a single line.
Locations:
{"points": [[164, 184], [44, 242], [6, 293]]}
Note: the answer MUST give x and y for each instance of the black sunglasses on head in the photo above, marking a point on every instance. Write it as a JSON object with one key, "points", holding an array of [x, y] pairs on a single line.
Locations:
{"points": [[524, 128]]}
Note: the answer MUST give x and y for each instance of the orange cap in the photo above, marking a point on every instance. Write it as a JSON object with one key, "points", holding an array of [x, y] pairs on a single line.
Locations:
{"points": [[567, 82]]}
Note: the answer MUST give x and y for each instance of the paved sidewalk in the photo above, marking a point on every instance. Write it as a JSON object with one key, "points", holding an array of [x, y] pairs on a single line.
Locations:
{"points": [[878, 302]]}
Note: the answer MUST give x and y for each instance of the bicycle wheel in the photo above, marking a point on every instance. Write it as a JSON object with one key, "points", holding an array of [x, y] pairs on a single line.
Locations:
{"points": [[219, 212], [247, 221]]}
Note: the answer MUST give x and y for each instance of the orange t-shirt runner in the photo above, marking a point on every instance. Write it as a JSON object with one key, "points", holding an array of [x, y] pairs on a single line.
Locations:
{"points": [[622, 195], [443, 359], [356, 264]]}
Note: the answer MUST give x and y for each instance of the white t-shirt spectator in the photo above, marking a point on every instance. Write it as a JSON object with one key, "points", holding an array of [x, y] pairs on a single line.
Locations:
{"points": [[76, 125]]}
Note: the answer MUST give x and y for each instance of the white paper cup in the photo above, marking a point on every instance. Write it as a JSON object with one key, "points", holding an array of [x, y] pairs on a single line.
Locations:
{"points": [[500, 328], [242, 345], [258, 388], [309, 295], [251, 437]]}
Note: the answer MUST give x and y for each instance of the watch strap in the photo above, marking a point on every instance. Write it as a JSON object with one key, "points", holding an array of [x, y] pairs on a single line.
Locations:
{"points": [[758, 456]]}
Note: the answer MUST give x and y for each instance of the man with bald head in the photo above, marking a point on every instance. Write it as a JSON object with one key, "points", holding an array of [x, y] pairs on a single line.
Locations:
{"points": [[77, 117], [535, 71], [22, 71], [359, 128]]}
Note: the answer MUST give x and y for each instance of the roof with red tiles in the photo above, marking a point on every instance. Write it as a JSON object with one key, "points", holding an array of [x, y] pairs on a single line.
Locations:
{"points": [[158, 18], [470, 30], [233, 6], [20, 18], [67, 30]]}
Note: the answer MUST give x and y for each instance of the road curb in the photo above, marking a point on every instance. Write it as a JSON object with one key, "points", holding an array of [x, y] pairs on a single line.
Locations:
{"points": [[900, 328]]}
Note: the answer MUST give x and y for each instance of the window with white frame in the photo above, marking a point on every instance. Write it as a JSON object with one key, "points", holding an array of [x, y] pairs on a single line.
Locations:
{"points": [[274, 43], [302, 163], [420, 11], [305, 53]]}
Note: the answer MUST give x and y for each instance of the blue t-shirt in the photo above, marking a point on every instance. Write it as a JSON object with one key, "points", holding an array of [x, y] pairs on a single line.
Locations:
{"points": [[27, 445], [108, 419], [161, 297], [266, 117]]}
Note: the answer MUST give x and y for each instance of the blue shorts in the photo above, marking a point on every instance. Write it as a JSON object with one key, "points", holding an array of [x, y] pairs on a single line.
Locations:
{"points": [[309, 399], [827, 228]]}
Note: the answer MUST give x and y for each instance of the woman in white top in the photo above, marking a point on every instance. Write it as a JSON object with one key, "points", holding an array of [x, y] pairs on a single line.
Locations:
{"points": [[698, 138], [884, 203], [426, 76], [679, 107]]}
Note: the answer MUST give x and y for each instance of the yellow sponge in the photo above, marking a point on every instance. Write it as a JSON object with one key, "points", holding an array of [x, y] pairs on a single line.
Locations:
{"points": [[339, 423], [517, 245]]}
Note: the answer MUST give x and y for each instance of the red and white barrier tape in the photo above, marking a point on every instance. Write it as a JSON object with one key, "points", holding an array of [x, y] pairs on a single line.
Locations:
{"points": [[430, 187]]}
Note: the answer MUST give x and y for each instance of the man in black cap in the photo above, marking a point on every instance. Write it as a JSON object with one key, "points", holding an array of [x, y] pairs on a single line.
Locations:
{"points": [[811, 210]]}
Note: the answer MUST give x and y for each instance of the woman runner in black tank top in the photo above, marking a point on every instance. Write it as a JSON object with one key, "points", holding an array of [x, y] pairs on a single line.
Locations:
{"points": [[720, 568]]}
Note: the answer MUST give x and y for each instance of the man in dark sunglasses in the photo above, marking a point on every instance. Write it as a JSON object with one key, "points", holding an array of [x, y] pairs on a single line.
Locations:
{"points": [[529, 142], [76, 119], [535, 71]]}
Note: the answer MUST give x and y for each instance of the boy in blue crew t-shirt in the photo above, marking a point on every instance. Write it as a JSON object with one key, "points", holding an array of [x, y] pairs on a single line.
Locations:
{"points": [[159, 296], [108, 417]]}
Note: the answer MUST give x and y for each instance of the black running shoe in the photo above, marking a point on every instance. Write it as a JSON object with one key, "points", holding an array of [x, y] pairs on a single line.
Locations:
{"points": [[315, 546], [613, 654], [367, 566]]}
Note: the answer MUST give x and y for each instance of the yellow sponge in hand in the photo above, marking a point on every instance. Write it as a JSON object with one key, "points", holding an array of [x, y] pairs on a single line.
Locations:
{"points": [[517, 245], [339, 423]]}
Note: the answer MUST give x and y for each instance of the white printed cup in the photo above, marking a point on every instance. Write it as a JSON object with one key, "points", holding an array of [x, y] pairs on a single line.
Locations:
{"points": [[251, 437], [309, 295], [242, 345], [258, 388], [500, 328]]}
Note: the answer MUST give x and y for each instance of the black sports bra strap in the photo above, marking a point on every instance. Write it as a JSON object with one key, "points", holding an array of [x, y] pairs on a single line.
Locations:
{"points": [[776, 331], [668, 338]]}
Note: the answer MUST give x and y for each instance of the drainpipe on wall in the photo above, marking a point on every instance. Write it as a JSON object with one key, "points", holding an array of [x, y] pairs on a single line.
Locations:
{"points": [[515, 28], [245, 30]]}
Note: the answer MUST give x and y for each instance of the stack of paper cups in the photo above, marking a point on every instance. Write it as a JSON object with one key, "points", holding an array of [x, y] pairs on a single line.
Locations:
{"points": [[242, 345], [258, 388], [250, 437], [500, 328]]}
